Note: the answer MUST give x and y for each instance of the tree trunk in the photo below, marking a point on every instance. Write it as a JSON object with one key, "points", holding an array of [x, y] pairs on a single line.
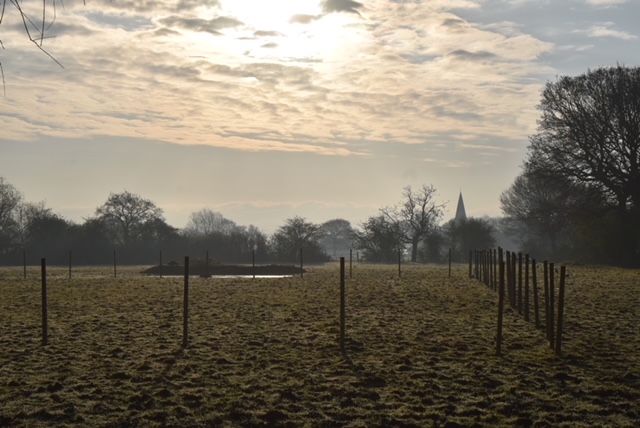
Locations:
{"points": [[414, 249]]}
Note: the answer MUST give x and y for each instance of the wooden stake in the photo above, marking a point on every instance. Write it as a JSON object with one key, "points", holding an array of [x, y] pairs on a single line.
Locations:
{"points": [[500, 309], [536, 305], [560, 311], [342, 305], [185, 307], [43, 270]]}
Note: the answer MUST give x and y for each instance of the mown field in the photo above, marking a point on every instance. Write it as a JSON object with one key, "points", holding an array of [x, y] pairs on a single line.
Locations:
{"points": [[420, 352]]}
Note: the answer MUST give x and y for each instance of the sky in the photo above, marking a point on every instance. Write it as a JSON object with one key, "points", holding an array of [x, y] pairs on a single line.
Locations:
{"points": [[266, 110]]}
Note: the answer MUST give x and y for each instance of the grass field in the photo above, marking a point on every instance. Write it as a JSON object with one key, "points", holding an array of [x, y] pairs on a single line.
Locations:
{"points": [[420, 352]]}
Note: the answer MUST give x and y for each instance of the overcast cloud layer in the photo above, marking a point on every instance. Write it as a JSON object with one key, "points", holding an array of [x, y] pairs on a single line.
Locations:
{"points": [[316, 108]]}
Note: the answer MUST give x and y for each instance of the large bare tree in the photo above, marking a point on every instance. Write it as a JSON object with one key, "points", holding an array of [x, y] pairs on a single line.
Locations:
{"points": [[127, 216], [589, 132], [415, 216]]}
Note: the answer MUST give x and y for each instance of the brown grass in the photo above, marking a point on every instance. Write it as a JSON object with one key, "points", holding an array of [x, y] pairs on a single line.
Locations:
{"points": [[420, 352]]}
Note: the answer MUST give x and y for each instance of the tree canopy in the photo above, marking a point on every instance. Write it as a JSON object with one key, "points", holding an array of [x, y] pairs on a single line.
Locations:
{"points": [[583, 163], [589, 132], [415, 216]]}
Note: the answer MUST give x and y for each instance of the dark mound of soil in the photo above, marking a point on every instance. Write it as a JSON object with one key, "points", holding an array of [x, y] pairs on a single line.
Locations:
{"points": [[221, 269]]}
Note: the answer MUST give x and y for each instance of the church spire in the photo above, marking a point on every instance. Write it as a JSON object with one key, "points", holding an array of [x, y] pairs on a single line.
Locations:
{"points": [[460, 212]]}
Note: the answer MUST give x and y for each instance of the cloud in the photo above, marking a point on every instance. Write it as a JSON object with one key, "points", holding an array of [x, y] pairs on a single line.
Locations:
{"points": [[303, 19], [350, 6], [605, 30], [606, 2], [447, 163], [472, 56], [212, 26]]}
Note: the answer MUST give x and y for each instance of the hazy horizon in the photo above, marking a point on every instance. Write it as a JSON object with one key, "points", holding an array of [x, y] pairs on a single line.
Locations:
{"points": [[267, 110]]}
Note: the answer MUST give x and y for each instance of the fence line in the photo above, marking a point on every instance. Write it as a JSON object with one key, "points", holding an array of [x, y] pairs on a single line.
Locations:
{"points": [[517, 281]]}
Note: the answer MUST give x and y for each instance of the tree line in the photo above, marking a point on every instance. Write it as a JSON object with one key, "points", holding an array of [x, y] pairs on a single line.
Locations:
{"points": [[136, 229], [577, 198], [578, 194]]}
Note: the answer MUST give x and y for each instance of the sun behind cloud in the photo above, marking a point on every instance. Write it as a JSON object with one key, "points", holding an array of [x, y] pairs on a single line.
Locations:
{"points": [[277, 17]]}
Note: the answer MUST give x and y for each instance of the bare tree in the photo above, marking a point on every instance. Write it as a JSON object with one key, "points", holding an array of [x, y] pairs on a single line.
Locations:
{"points": [[127, 215], [416, 216], [379, 240], [206, 222], [298, 233], [36, 18], [337, 234], [10, 201], [589, 132]]}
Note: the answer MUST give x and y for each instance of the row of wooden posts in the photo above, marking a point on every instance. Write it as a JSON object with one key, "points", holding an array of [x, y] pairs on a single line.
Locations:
{"points": [[185, 334], [253, 261], [517, 276], [185, 308]]}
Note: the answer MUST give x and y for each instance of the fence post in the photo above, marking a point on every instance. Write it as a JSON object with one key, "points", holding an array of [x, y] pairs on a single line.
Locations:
{"points": [[185, 306], [552, 292], [350, 262], [560, 311], [526, 288], [536, 305], [301, 264], [520, 283], [508, 275], [500, 308], [342, 305], [43, 270]]}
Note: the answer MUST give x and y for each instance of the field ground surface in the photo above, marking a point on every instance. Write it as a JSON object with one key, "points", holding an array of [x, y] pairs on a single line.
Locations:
{"points": [[419, 351]]}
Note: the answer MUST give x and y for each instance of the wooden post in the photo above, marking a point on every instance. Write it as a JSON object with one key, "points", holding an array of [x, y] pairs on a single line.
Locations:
{"points": [[495, 270], [546, 296], [43, 270], [526, 287], [301, 264], [520, 283], [514, 296], [491, 261], [185, 306], [114, 263], [342, 305], [508, 275], [499, 260], [552, 292], [500, 308], [536, 305], [560, 311]]}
